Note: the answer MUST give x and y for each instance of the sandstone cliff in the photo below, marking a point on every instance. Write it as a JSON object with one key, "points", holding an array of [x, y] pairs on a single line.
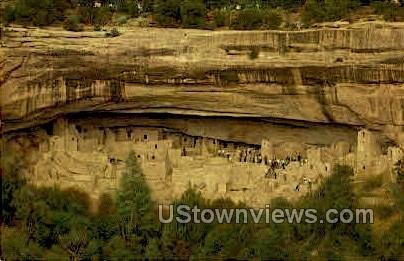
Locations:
{"points": [[351, 76]]}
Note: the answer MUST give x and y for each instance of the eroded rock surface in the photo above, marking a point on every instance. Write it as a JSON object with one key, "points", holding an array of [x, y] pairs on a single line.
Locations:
{"points": [[315, 87], [348, 76]]}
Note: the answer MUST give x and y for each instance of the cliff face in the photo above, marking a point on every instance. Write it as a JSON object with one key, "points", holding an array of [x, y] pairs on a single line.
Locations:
{"points": [[351, 76], [246, 115]]}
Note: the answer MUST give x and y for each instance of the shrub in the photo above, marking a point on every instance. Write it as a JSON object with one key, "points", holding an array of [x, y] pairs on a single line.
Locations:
{"points": [[384, 210], [106, 205], [254, 53], [12, 180], [102, 16], [167, 13], [113, 33], [87, 14], [247, 19], [72, 23], [253, 18], [328, 10], [192, 232], [97, 27], [15, 245], [41, 18], [272, 18], [121, 20], [221, 17], [391, 241], [217, 4], [132, 7], [38, 12], [142, 22], [337, 9], [193, 13], [9, 14], [227, 77], [372, 183], [390, 11], [286, 4], [312, 12]]}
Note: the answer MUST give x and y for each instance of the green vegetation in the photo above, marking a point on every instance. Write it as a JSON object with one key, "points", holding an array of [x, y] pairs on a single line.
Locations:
{"points": [[113, 33], [167, 13], [57, 224], [328, 10], [255, 52], [193, 13], [371, 183], [235, 14], [399, 170], [38, 13], [72, 23], [133, 198], [388, 10]]}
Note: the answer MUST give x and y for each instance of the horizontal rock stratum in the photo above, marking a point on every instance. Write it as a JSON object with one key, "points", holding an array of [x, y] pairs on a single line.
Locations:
{"points": [[352, 76]]}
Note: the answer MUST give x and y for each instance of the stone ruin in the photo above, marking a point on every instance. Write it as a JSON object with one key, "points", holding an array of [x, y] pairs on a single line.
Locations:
{"points": [[93, 158], [200, 111]]}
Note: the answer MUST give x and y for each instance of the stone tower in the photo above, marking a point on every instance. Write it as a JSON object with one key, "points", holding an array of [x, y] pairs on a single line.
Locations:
{"points": [[367, 149]]}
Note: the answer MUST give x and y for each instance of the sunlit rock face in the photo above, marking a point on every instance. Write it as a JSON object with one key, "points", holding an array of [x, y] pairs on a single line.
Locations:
{"points": [[308, 88]]}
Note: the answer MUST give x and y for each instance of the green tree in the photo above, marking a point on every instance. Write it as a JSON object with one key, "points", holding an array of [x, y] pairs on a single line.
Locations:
{"points": [[102, 16], [338, 9], [40, 12], [335, 192], [286, 4], [270, 244], [75, 242], [167, 12], [221, 17], [116, 249], [12, 181], [133, 198], [313, 12], [336, 239], [272, 18], [391, 242], [389, 10], [9, 14], [16, 245], [33, 213], [230, 241], [106, 205], [131, 7], [72, 23], [245, 19], [328, 10], [191, 231], [193, 13]]}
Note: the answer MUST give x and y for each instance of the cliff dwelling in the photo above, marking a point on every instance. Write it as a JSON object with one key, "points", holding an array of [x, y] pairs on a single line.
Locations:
{"points": [[202, 129], [270, 161], [202, 113]]}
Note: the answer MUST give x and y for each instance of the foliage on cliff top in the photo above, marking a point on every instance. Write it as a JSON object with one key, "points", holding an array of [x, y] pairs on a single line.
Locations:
{"points": [[205, 14]]}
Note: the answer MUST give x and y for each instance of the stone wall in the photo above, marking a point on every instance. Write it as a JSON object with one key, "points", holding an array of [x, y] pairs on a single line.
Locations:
{"points": [[74, 155]]}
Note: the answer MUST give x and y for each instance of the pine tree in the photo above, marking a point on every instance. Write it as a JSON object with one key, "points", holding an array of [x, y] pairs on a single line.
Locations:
{"points": [[134, 194], [133, 198]]}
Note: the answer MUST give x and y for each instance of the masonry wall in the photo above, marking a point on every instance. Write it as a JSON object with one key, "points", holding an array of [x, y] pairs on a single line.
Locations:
{"points": [[93, 159]]}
